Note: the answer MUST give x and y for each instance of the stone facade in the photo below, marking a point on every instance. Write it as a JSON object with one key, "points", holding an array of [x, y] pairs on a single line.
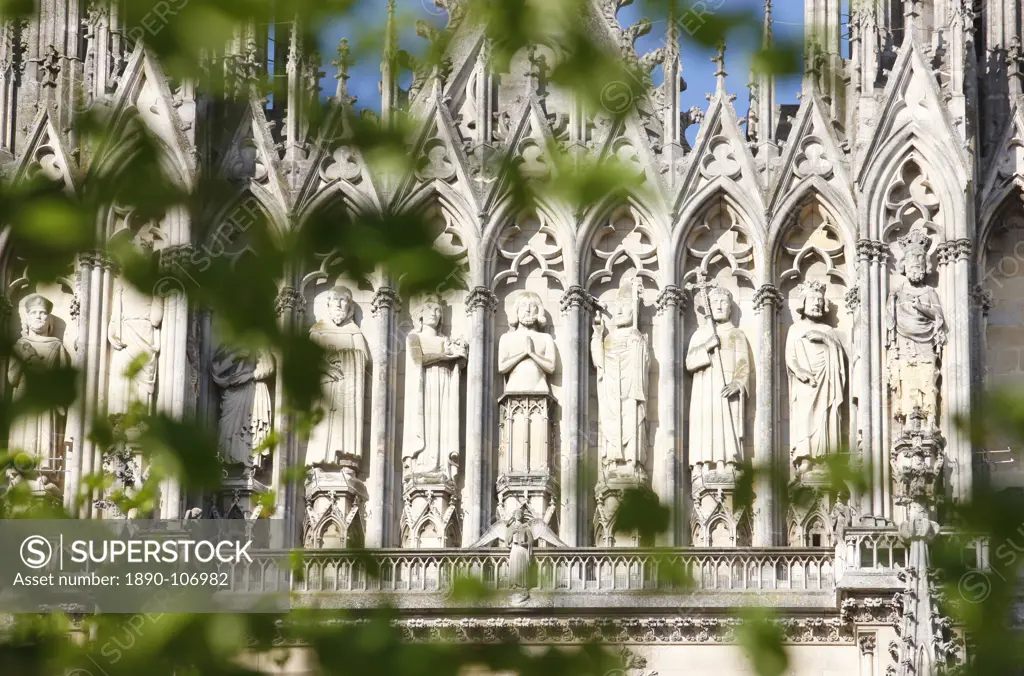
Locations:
{"points": [[837, 276]]}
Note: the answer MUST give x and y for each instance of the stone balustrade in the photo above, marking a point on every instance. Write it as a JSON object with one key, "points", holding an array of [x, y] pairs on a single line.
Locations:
{"points": [[596, 577]]}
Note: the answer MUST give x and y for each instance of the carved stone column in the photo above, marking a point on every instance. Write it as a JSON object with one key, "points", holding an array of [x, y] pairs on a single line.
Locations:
{"points": [[173, 376], [290, 306], [576, 305], [480, 306], [872, 392], [917, 468], [768, 523], [959, 350], [867, 644], [666, 477], [382, 421], [90, 358]]}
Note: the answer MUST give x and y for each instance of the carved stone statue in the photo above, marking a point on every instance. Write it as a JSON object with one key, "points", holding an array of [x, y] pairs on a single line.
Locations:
{"points": [[916, 332], [520, 550], [719, 359], [342, 382], [816, 362], [622, 357], [526, 355], [433, 366], [36, 350], [246, 413], [134, 335]]}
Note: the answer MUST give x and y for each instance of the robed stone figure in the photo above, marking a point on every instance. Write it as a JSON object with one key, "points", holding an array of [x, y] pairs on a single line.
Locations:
{"points": [[622, 357], [36, 350], [246, 413], [816, 362], [339, 434], [916, 333], [134, 336], [433, 369], [719, 360]]}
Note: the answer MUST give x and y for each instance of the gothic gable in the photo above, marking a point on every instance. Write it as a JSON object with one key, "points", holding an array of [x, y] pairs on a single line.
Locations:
{"points": [[252, 160], [720, 154], [144, 94], [44, 152], [812, 153], [441, 156], [913, 104]]}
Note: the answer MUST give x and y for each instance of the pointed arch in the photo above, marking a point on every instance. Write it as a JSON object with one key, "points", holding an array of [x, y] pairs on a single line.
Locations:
{"points": [[835, 204], [557, 217], [704, 200], [591, 225], [243, 197], [947, 176], [340, 193], [992, 209]]}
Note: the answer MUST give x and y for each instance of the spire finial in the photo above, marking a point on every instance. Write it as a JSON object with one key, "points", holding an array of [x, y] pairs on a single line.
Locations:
{"points": [[719, 59], [342, 63], [766, 40], [390, 33]]}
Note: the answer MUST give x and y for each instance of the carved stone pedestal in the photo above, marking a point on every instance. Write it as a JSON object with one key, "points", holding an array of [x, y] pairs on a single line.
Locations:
{"points": [[525, 475], [716, 520], [927, 643], [917, 465], [818, 515], [239, 496], [430, 517], [335, 504], [608, 494]]}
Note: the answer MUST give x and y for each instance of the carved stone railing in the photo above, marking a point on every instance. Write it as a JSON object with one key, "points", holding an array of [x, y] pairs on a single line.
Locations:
{"points": [[875, 549], [354, 579]]}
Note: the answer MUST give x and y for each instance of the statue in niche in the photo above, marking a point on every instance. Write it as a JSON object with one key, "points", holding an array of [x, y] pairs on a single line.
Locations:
{"points": [[719, 359], [339, 434], [134, 335], [433, 367], [526, 355], [246, 413], [622, 357], [816, 362], [36, 350], [915, 333]]}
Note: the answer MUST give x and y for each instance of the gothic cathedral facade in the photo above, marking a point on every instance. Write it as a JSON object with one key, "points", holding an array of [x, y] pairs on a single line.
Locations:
{"points": [[835, 278]]}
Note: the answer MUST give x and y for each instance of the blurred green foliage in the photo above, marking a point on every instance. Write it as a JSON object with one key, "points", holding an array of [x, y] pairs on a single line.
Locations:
{"points": [[49, 228]]}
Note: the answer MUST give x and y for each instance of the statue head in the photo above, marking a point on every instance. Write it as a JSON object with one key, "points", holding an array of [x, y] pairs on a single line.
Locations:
{"points": [[517, 515], [528, 311], [915, 262], [429, 312], [720, 300], [625, 305], [37, 315], [339, 304], [813, 303]]}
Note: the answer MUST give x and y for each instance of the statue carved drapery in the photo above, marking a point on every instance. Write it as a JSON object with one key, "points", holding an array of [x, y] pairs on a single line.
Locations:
{"points": [[720, 383], [342, 383], [134, 335], [916, 333], [816, 362], [621, 355], [433, 368], [36, 350], [246, 410]]}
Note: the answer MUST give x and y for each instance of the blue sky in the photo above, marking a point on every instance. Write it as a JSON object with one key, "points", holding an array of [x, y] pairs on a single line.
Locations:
{"points": [[364, 29]]}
